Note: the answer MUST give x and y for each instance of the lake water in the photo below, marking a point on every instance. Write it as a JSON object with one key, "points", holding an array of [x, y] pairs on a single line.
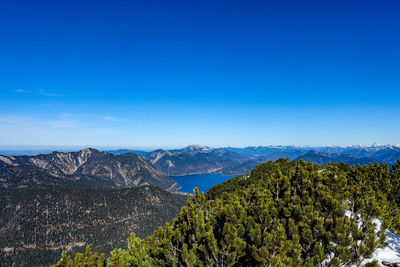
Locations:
{"points": [[202, 181]]}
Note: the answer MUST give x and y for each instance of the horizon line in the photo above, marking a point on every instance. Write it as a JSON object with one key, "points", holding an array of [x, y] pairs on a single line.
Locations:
{"points": [[145, 147]]}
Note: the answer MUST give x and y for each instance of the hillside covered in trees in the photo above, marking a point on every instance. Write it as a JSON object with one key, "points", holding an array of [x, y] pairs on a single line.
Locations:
{"points": [[37, 224], [284, 213]]}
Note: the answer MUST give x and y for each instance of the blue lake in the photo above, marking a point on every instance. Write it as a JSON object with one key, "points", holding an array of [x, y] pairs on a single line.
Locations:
{"points": [[202, 181]]}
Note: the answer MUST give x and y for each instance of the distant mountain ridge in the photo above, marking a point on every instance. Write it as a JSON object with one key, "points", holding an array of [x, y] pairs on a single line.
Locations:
{"points": [[85, 167], [384, 153], [197, 159], [325, 158], [124, 151]]}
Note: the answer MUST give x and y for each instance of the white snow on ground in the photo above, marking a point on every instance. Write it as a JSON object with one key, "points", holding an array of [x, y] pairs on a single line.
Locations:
{"points": [[391, 253]]}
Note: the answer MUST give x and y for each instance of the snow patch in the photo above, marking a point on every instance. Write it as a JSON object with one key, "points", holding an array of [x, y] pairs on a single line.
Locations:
{"points": [[192, 148], [391, 253]]}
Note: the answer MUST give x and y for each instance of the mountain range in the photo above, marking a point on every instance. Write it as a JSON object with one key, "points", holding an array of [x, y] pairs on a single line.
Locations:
{"points": [[197, 159], [321, 158], [124, 168], [384, 153], [87, 167]]}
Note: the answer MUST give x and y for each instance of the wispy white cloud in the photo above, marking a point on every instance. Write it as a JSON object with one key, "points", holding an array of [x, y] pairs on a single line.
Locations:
{"points": [[39, 92], [22, 121], [94, 116], [74, 115], [107, 131], [46, 93], [21, 91], [112, 118], [65, 128], [68, 120]]}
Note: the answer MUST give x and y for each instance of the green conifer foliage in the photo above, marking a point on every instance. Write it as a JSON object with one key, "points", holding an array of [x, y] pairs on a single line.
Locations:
{"points": [[284, 213], [80, 260]]}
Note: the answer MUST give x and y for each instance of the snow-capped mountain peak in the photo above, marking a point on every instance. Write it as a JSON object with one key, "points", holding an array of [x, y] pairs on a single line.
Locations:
{"points": [[192, 148]]}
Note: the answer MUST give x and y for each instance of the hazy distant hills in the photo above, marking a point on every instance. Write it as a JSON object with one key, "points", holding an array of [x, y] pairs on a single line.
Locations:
{"points": [[270, 152], [200, 159], [381, 153], [86, 167], [325, 158], [36, 225], [353, 155]]}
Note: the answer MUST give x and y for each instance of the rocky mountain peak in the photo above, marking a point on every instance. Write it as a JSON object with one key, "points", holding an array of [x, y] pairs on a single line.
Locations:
{"points": [[201, 148], [89, 150]]}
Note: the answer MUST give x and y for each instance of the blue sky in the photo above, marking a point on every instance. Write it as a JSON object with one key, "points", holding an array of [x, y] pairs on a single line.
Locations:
{"points": [[218, 73]]}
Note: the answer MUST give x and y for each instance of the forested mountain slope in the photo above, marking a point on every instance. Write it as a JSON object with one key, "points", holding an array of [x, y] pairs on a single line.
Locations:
{"points": [[36, 225], [284, 213]]}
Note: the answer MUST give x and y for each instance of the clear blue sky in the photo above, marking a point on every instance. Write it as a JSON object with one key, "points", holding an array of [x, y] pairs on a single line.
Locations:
{"points": [[218, 73]]}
